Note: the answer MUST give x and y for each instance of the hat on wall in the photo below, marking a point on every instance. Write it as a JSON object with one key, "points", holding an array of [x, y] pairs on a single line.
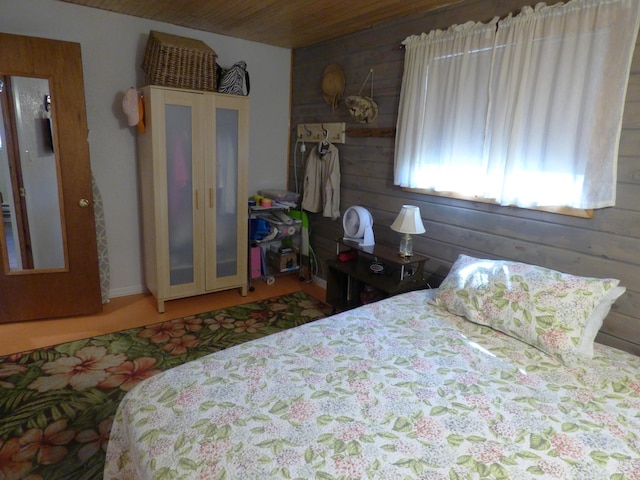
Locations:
{"points": [[133, 108], [332, 84], [130, 107]]}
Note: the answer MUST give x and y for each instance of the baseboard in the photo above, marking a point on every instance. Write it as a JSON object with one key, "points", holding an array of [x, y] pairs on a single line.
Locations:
{"points": [[321, 282], [136, 289], [123, 292]]}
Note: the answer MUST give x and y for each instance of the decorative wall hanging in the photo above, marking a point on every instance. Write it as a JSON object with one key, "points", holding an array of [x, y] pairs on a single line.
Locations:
{"points": [[332, 85], [363, 109]]}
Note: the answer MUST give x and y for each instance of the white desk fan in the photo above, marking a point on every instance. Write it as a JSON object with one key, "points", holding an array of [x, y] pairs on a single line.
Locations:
{"points": [[358, 226]]}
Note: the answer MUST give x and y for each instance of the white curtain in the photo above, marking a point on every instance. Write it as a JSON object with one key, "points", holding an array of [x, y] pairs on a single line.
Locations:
{"points": [[526, 111]]}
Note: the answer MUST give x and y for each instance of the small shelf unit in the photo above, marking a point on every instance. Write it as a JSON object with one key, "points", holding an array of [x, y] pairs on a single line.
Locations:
{"points": [[288, 240]]}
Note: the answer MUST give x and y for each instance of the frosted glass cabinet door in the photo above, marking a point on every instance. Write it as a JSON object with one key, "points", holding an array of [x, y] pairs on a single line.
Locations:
{"points": [[227, 241], [179, 193]]}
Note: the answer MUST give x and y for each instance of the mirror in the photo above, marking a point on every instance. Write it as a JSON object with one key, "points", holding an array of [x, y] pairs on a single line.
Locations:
{"points": [[29, 176]]}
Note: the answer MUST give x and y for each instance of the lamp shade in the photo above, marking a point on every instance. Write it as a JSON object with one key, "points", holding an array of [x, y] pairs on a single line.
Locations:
{"points": [[408, 220]]}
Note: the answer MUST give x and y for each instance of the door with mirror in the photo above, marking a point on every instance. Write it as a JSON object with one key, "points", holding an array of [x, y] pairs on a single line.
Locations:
{"points": [[48, 253]]}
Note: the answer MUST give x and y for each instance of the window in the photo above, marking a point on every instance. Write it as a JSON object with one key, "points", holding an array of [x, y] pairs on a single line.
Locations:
{"points": [[525, 111]]}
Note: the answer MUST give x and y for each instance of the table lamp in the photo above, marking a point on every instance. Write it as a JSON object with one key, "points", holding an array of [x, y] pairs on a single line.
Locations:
{"points": [[408, 222]]}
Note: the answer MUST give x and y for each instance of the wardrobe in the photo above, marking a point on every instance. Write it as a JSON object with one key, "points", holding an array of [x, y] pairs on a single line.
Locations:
{"points": [[193, 158]]}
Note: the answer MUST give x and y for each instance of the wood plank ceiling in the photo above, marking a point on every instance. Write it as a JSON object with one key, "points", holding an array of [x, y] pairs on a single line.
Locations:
{"points": [[283, 23]]}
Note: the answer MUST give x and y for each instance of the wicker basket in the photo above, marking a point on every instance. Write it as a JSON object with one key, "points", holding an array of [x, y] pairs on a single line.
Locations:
{"points": [[179, 62]]}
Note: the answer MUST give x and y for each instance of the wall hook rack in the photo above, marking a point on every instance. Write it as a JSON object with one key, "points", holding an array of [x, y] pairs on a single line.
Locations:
{"points": [[317, 132]]}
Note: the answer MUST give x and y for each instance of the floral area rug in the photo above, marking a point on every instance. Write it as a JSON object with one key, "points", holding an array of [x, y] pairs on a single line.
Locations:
{"points": [[57, 403]]}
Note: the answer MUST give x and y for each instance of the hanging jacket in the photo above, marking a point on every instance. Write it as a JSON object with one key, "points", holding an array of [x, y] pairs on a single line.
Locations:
{"points": [[321, 186]]}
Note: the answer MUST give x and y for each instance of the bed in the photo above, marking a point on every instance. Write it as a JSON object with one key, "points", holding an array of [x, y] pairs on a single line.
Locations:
{"points": [[489, 376]]}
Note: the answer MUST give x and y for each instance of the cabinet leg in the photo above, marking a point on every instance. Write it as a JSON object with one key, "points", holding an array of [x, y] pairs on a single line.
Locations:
{"points": [[160, 306], [243, 290]]}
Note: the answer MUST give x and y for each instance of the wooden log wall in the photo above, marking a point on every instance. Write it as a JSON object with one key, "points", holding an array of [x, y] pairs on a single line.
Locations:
{"points": [[608, 245]]}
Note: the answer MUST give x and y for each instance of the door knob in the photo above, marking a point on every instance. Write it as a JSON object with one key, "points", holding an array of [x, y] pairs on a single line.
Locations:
{"points": [[84, 203]]}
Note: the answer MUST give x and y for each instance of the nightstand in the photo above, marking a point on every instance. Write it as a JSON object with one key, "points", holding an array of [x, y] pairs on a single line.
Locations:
{"points": [[361, 275]]}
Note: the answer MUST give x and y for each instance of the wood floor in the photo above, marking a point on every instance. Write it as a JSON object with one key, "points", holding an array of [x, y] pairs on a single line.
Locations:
{"points": [[133, 311]]}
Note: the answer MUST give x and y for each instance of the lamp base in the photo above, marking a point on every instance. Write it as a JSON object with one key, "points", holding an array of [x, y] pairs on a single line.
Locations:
{"points": [[406, 246]]}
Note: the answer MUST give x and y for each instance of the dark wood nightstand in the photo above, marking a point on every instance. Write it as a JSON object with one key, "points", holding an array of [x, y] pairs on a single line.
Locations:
{"points": [[360, 275]]}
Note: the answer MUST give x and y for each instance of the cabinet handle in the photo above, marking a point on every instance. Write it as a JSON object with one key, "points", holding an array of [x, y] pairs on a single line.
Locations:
{"points": [[197, 202], [210, 197]]}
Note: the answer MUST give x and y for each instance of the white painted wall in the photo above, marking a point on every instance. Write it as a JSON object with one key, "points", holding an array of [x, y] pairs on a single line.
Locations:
{"points": [[112, 51]]}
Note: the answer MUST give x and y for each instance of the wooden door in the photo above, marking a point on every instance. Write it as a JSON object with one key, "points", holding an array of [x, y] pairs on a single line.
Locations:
{"points": [[73, 287]]}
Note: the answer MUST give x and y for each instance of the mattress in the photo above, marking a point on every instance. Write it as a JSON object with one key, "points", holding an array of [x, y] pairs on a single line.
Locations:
{"points": [[393, 390]]}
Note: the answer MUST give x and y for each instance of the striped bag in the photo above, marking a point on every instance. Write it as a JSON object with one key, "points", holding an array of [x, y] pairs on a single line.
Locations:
{"points": [[234, 80]]}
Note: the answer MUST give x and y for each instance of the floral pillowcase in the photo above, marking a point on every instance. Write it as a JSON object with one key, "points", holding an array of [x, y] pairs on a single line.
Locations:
{"points": [[555, 312]]}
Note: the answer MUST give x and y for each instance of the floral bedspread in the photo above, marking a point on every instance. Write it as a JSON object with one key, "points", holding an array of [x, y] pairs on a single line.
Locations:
{"points": [[395, 390]]}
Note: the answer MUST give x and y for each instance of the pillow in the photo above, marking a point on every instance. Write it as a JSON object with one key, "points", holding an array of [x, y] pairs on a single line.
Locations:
{"points": [[555, 312], [591, 329]]}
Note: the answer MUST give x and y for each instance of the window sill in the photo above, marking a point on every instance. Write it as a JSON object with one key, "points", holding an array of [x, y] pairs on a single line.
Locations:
{"points": [[573, 212]]}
